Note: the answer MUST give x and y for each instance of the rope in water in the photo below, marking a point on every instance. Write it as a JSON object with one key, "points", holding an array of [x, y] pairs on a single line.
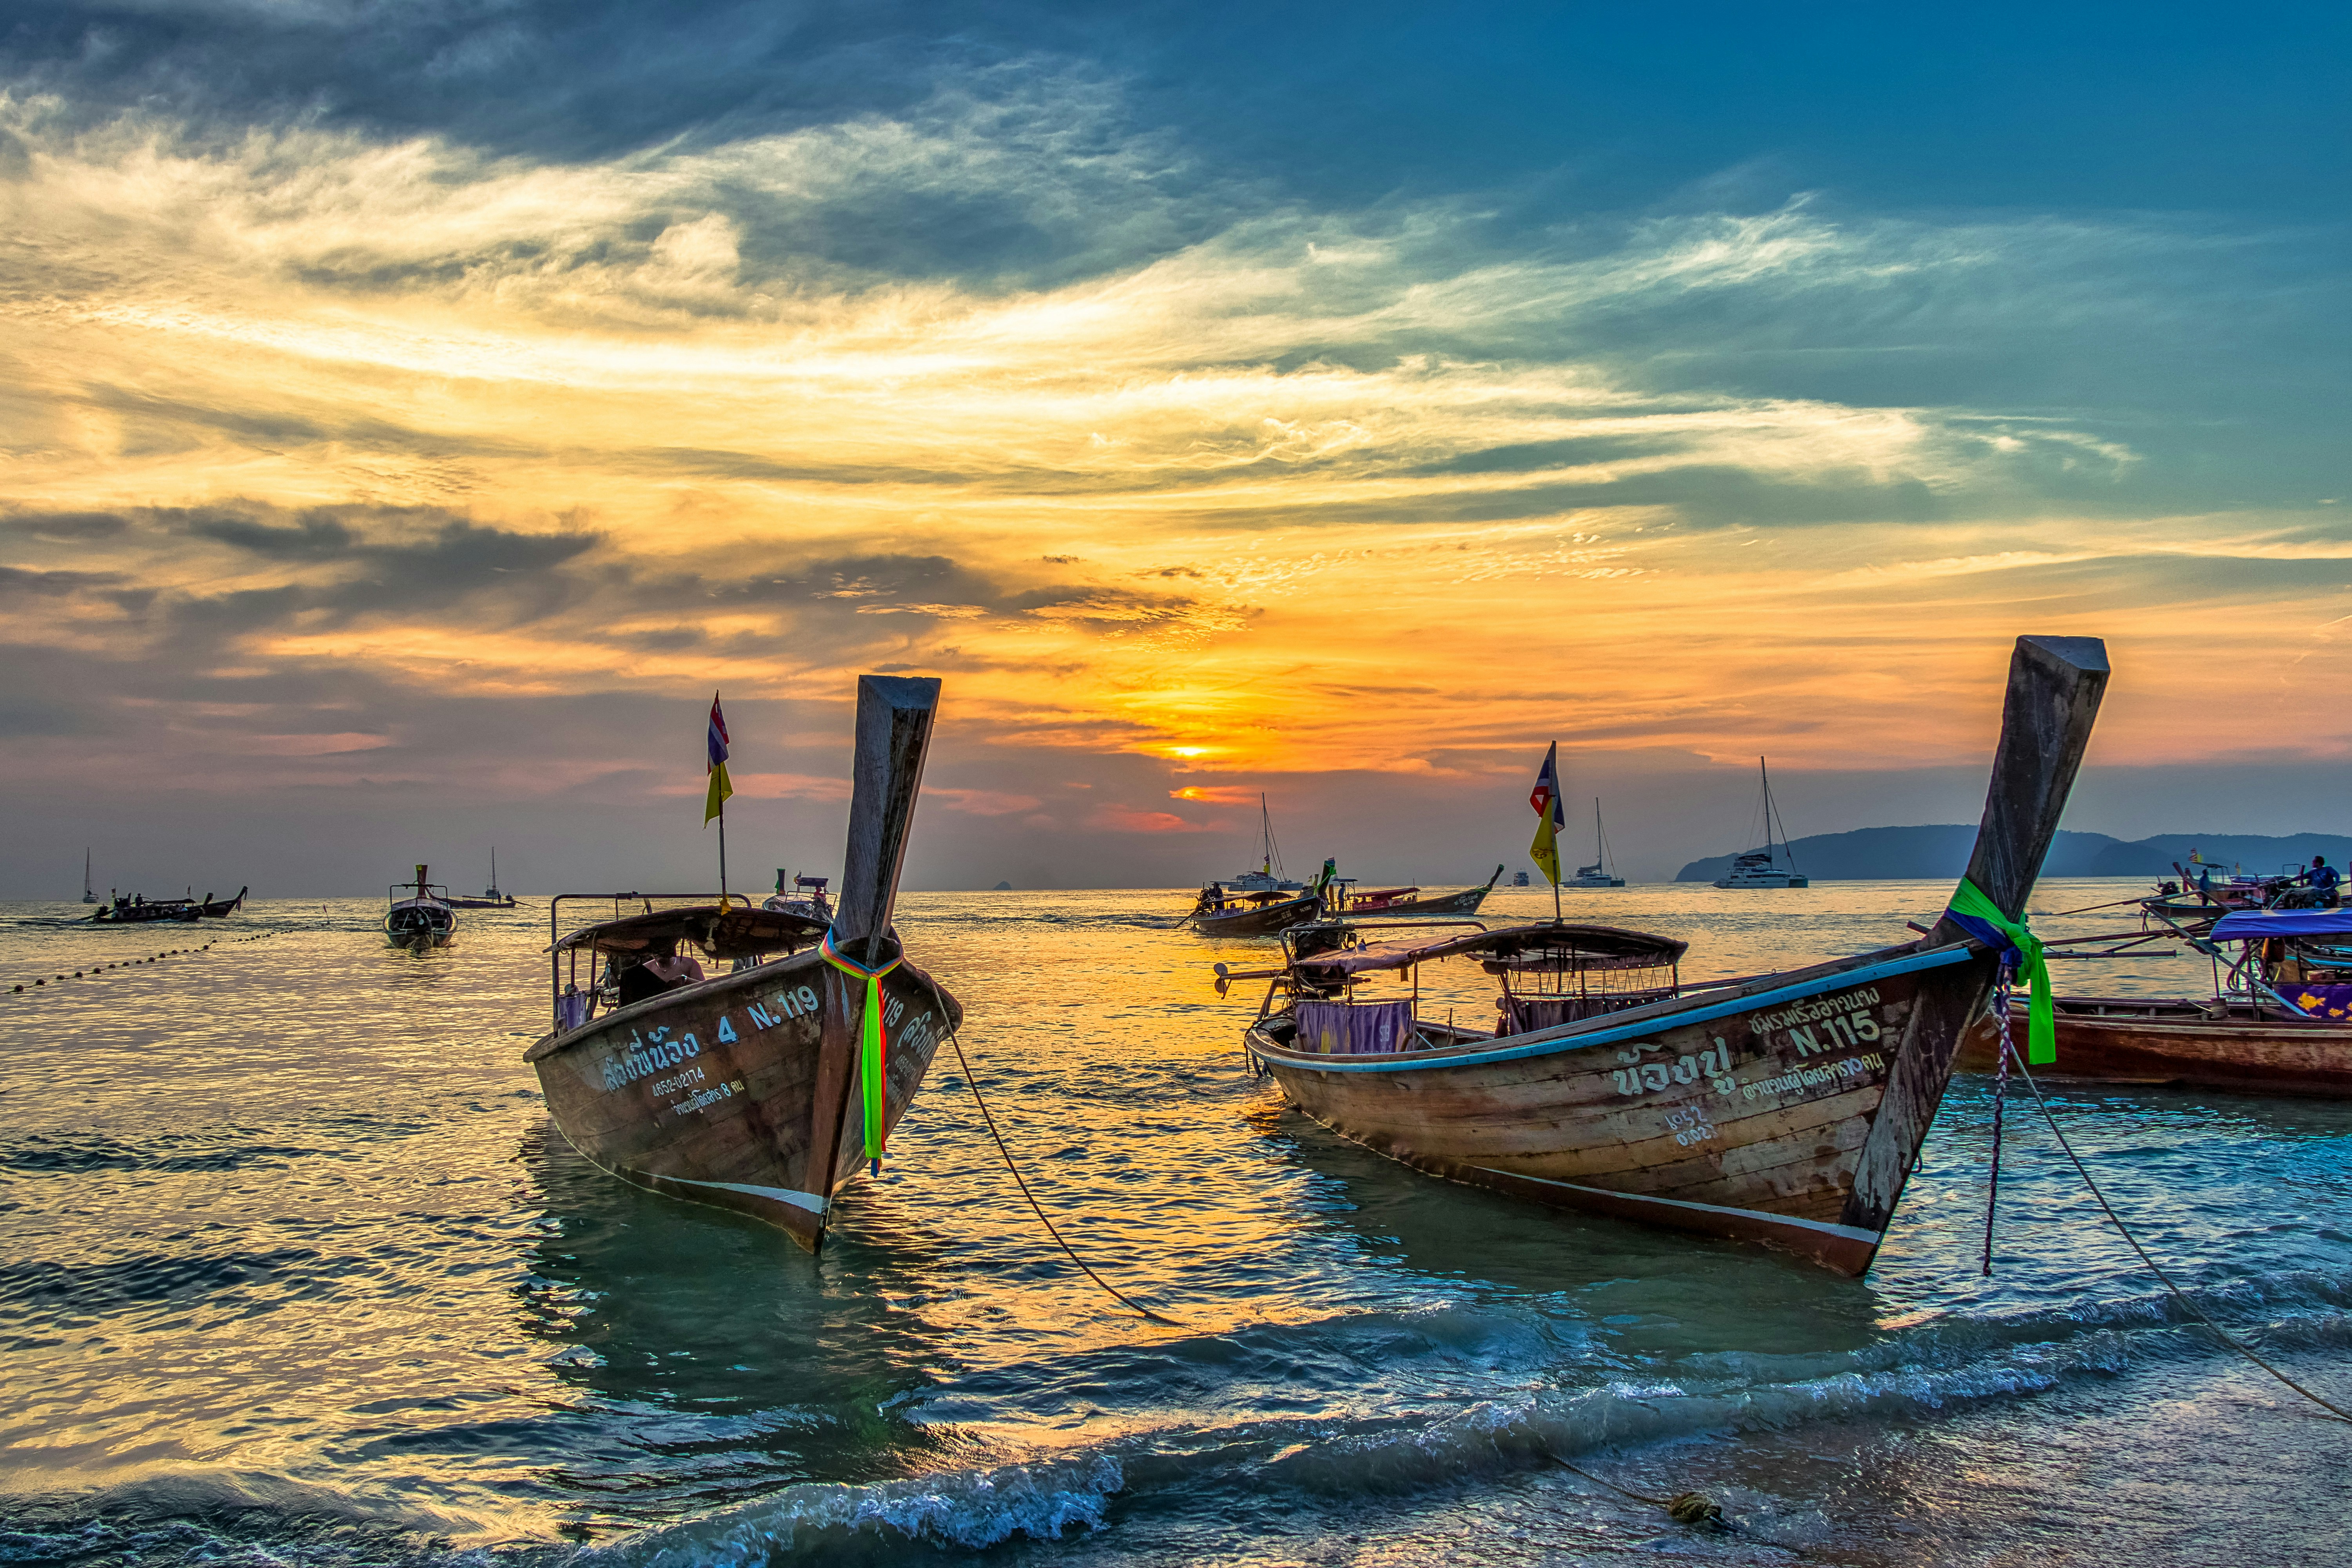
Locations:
{"points": [[2086, 908], [1683, 1508], [2337, 1411], [93, 970], [1005, 1154]]}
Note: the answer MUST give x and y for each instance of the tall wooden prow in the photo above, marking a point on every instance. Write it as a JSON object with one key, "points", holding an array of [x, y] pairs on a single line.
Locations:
{"points": [[2054, 688], [894, 734]]}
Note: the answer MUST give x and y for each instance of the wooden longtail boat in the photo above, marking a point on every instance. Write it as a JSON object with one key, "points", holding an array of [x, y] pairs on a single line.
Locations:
{"points": [[1218, 913], [1388, 903], [2283, 1024], [424, 918], [214, 909], [1785, 1109], [741, 1090], [2223, 1044], [138, 910]]}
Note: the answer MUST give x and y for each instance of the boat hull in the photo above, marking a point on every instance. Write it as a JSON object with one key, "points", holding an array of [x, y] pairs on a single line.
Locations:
{"points": [[2130, 1040], [720, 1092], [148, 914], [1261, 921], [1465, 903], [1788, 1112]]}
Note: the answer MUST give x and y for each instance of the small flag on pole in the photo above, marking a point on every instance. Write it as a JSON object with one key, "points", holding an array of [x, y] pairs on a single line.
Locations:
{"points": [[721, 788], [1550, 817]]}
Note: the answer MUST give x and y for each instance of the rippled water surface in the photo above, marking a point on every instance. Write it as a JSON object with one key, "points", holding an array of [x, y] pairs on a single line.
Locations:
{"points": [[298, 1272]]}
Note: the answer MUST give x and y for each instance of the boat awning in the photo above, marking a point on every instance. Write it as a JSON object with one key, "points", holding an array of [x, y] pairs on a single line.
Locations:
{"points": [[2257, 925], [737, 932], [1567, 945]]}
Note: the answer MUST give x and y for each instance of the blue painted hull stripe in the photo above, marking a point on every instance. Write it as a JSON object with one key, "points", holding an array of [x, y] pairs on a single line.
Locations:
{"points": [[1430, 1061], [1852, 1232]]}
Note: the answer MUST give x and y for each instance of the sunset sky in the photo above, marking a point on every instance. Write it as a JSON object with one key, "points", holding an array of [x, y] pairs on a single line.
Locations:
{"points": [[411, 412]]}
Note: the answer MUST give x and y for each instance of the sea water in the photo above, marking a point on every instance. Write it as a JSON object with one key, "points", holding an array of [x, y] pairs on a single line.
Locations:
{"points": [[298, 1272]]}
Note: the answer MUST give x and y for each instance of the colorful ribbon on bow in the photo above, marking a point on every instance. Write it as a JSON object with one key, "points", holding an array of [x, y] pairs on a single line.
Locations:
{"points": [[2020, 948], [872, 1062]]}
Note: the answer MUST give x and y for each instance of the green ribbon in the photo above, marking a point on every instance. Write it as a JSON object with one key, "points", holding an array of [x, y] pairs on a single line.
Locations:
{"points": [[1983, 920], [873, 1080]]}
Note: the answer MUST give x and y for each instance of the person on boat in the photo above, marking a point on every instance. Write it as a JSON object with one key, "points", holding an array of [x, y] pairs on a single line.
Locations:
{"points": [[660, 970], [673, 968], [2324, 880]]}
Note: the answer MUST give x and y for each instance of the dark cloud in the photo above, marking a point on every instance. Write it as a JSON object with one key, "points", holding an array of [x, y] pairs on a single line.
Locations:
{"points": [[66, 527], [18, 582], [313, 539]]}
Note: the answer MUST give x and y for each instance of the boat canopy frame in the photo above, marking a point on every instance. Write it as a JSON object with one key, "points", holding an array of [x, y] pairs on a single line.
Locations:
{"points": [[1591, 969], [724, 926]]}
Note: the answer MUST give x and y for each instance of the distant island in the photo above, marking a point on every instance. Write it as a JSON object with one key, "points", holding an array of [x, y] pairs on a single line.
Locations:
{"points": [[1889, 853]]}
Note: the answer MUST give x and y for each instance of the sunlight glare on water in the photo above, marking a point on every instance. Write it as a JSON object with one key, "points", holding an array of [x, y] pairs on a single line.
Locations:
{"points": [[299, 1272]]}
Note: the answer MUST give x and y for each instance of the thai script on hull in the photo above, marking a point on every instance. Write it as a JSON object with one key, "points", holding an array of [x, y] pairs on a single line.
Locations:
{"points": [[1814, 1010], [1807, 1076]]}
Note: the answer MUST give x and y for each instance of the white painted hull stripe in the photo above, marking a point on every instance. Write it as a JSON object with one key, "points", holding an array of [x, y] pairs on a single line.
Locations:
{"points": [[1852, 1232], [808, 1201], [1549, 1044]]}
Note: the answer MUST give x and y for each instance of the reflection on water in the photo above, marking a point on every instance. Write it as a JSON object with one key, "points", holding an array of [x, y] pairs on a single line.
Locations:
{"points": [[299, 1269]]}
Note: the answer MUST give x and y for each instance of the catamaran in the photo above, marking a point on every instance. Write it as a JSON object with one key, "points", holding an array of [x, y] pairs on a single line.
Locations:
{"points": [[1762, 868], [1596, 875]]}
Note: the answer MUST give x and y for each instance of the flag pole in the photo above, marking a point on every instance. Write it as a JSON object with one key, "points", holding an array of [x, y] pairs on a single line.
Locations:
{"points": [[715, 802]]}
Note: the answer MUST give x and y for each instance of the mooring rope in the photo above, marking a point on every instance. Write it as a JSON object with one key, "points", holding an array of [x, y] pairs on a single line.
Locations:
{"points": [[1683, 1507], [2227, 1337], [1005, 1154]]}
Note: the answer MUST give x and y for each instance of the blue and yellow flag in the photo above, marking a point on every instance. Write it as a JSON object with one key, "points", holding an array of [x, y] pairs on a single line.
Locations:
{"points": [[721, 788], [1550, 817]]}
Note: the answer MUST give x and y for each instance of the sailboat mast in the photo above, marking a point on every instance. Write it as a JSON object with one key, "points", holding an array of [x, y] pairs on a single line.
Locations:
{"points": [[1598, 857], [1765, 775]]}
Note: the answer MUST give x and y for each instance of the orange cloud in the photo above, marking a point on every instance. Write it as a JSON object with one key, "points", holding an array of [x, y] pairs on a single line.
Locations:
{"points": [[1215, 794], [1125, 819]]}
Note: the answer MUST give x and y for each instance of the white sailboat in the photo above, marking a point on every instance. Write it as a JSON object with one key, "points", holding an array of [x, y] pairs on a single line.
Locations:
{"points": [[1762, 868], [1596, 875], [1267, 877]]}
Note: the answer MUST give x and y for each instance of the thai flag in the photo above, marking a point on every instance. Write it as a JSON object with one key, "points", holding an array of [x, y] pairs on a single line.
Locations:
{"points": [[1545, 798], [715, 799]]}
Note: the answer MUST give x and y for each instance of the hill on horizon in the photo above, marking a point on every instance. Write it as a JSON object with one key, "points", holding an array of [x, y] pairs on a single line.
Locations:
{"points": [[1875, 854]]}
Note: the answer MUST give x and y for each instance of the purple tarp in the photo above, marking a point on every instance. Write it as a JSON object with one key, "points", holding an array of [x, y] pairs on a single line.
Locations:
{"points": [[2320, 1001], [2258, 925], [1354, 1028]]}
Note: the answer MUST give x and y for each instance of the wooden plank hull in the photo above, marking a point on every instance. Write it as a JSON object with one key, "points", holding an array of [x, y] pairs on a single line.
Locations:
{"points": [[724, 1092], [1756, 1114], [1261, 921], [1465, 903], [2128, 1040]]}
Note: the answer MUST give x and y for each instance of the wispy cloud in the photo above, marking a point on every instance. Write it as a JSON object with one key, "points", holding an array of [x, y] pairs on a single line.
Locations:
{"points": [[1004, 388]]}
